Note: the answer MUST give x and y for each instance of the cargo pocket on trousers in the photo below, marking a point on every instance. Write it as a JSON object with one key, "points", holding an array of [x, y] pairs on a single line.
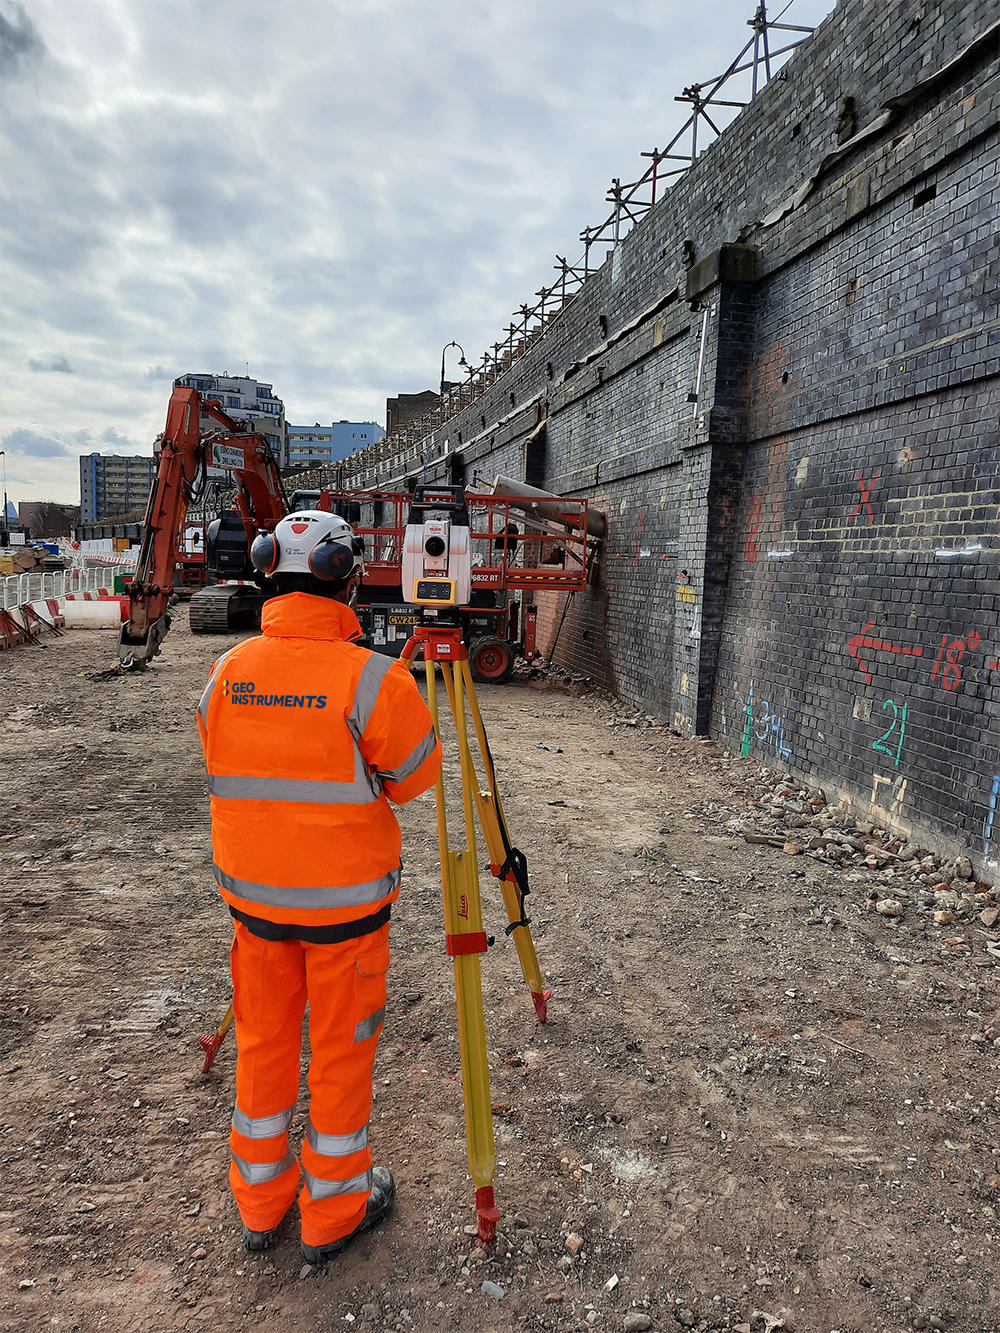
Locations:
{"points": [[370, 967]]}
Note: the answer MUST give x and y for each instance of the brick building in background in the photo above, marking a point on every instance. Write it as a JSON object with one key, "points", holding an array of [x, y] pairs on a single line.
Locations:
{"points": [[48, 518], [406, 407]]}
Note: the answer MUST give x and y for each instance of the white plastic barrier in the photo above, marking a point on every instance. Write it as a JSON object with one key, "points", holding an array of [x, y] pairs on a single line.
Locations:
{"points": [[20, 588], [104, 613]]}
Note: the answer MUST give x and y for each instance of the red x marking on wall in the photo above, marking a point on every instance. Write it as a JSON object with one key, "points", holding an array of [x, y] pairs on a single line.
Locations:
{"points": [[866, 490]]}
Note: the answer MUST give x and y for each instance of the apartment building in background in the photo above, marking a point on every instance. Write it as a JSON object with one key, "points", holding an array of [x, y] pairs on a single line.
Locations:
{"points": [[316, 444], [246, 398], [113, 484]]}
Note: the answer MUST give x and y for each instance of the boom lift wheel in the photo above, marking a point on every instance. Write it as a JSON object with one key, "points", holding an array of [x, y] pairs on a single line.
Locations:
{"points": [[491, 659]]}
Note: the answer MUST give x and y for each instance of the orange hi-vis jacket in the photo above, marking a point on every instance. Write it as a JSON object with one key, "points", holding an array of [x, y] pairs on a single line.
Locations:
{"points": [[305, 735]]}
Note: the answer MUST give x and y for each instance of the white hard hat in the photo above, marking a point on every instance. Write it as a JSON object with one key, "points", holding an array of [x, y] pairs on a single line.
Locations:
{"points": [[311, 541]]}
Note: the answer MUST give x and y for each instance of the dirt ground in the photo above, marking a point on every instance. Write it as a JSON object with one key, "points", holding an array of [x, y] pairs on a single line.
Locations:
{"points": [[758, 1104]]}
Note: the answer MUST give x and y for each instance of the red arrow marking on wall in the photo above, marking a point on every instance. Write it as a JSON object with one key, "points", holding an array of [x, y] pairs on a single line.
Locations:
{"points": [[862, 640]]}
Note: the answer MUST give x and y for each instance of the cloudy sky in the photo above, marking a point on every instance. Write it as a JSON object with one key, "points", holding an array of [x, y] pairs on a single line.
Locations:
{"points": [[328, 190]]}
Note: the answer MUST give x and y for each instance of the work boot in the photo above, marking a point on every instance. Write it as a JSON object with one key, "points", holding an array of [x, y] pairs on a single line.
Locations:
{"points": [[380, 1203], [255, 1241]]}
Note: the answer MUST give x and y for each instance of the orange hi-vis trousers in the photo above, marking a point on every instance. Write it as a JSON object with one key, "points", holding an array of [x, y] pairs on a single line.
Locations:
{"points": [[344, 985]]}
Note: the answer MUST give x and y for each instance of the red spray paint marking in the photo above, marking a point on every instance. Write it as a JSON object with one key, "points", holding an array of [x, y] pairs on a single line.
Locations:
{"points": [[863, 640], [866, 490], [639, 531], [952, 676], [750, 549]]}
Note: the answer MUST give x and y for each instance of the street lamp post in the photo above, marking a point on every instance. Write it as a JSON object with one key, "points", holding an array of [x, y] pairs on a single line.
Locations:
{"points": [[462, 362]]}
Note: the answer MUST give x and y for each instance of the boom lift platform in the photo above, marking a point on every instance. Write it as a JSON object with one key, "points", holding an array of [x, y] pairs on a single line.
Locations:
{"points": [[520, 544]]}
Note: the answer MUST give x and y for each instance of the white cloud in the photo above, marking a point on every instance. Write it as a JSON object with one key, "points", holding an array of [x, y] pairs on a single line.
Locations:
{"points": [[326, 191], [59, 364]]}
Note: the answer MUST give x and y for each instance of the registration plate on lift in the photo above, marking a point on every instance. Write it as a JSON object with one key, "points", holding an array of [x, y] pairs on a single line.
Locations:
{"points": [[390, 627]]}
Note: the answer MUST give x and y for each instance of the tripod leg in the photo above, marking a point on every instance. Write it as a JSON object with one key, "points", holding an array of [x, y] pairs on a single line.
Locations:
{"points": [[493, 824], [466, 940]]}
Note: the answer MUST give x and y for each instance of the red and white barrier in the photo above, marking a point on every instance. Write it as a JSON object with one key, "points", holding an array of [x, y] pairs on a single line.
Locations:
{"points": [[81, 610], [91, 610]]}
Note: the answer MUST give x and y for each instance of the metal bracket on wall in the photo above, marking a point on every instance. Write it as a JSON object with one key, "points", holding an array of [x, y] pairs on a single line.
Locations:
{"points": [[703, 341]]}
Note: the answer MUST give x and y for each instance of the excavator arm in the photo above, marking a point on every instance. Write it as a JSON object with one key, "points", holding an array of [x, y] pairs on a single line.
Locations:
{"points": [[183, 457]]}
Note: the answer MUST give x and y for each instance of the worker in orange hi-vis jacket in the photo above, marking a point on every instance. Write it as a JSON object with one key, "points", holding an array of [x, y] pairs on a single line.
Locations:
{"points": [[307, 737]]}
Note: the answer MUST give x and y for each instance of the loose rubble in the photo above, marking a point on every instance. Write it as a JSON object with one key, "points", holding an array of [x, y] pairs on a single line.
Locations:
{"points": [[901, 879], [760, 1104]]}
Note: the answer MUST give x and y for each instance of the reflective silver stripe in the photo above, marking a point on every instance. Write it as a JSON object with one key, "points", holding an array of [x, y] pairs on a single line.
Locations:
{"points": [[409, 766], [335, 895], [258, 1173], [264, 1126], [325, 1189], [366, 695], [242, 787], [370, 1025], [210, 687], [336, 1145], [234, 788]]}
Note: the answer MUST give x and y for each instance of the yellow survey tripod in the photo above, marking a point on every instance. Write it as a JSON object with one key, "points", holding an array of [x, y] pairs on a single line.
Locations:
{"points": [[463, 918]]}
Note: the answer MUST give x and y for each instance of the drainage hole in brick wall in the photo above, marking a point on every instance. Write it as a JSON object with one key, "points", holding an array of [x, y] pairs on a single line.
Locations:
{"points": [[924, 196]]}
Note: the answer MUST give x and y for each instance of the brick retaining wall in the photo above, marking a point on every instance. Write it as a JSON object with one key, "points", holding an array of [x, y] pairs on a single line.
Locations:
{"points": [[805, 562]]}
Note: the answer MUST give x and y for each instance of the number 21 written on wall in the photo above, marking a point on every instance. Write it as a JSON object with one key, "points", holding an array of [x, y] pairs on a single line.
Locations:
{"points": [[890, 743]]}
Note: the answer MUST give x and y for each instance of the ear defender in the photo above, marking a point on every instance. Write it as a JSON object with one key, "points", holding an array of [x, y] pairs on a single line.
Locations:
{"points": [[264, 553], [331, 561]]}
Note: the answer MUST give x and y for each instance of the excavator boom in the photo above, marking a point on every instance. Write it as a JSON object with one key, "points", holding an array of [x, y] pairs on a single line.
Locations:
{"points": [[184, 455]]}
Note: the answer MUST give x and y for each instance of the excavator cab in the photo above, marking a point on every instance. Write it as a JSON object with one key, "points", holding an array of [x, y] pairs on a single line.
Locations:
{"points": [[226, 553]]}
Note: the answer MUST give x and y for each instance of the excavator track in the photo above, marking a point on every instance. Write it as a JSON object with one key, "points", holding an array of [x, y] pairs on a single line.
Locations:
{"points": [[222, 609]]}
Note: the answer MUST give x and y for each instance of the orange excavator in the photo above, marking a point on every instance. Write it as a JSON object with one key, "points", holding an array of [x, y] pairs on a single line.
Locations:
{"points": [[185, 455]]}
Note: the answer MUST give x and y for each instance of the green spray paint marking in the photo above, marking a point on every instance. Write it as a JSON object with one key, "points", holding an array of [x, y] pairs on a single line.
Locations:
{"points": [[745, 748]]}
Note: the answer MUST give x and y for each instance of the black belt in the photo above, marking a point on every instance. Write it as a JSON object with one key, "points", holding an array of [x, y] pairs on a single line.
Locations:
{"points": [[334, 934]]}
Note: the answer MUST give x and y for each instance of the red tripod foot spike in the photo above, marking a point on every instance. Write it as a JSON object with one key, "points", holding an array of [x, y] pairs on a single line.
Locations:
{"points": [[487, 1214], [210, 1045], [542, 1004]]}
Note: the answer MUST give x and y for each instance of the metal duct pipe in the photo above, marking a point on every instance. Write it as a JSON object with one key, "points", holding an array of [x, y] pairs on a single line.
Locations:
{"points": [[546, 505]]}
